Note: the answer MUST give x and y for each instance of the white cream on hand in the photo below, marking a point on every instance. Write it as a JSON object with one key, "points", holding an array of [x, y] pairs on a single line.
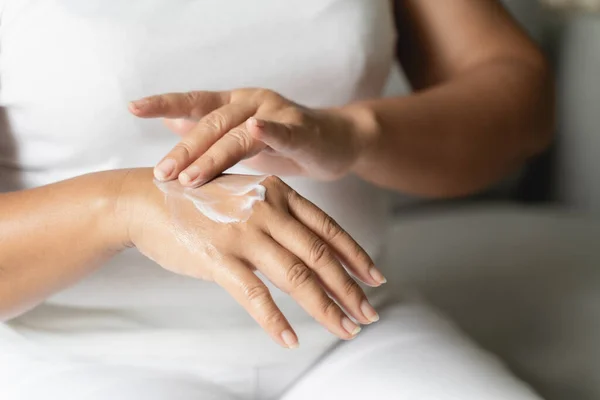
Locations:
{"points": [[227, 199]]}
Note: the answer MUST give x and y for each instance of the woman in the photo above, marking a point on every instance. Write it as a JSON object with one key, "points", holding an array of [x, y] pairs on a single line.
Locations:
{"points": [[109, 323]]}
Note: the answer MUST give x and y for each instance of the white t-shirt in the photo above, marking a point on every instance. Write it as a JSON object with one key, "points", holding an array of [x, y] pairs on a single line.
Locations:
{"points": [[69, 67]]}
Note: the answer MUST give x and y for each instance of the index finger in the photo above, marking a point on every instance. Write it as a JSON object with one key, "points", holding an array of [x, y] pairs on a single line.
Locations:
{"points": [[235, 146], [194, 104]]}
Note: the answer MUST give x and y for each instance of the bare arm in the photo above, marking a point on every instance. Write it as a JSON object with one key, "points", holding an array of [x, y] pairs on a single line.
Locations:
{"points": [[52, 236], [483, 102], [483, 105]]}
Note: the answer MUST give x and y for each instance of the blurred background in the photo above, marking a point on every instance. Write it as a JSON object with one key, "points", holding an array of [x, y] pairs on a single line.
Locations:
{"points": [[569, 174], [518, 267]]}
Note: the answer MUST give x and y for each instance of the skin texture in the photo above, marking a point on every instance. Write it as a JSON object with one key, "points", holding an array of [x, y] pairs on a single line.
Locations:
{"points": [[483, 104], [294, 244]]}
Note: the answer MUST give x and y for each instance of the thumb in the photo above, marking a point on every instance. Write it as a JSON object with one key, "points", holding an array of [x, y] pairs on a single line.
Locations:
{"points": [[280, 137]]}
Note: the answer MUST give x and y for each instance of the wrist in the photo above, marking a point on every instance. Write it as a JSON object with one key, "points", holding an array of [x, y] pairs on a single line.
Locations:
{"points": [[363, 127], [132, 190]]}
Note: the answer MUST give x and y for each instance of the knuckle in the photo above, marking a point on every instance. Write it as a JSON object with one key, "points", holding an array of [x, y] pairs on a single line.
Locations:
{"points": [[273, 181], [191, 98], [157, 102], [361, 255], [319, 254], [328, 308], [351, 289], [356, 253], [298, 275], [186, 148], [215, 122], [277, 193], [264, 208], [330, 228], [273, 318], [257, 295], [241, 139]]}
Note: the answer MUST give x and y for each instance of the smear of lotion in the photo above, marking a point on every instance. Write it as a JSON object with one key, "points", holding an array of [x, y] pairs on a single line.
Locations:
{"points": [[227, 199]]}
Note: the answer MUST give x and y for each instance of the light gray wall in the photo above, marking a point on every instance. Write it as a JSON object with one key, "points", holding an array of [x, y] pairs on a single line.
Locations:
{"points": [[578, 72]]}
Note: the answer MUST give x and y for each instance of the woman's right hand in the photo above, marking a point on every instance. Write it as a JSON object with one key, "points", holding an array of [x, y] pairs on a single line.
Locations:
{"points": [[288, 239]]}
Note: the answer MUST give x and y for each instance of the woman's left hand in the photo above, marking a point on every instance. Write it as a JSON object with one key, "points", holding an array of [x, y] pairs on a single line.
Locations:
{"points": [[258, 127]]}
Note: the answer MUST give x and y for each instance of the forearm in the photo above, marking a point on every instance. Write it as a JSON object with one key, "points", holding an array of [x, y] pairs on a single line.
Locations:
{"points": [[460, 136], [52, 236]]}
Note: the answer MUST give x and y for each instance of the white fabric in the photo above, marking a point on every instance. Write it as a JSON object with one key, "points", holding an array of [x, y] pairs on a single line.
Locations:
{"points": [[412, 354], [67, 70], [69, 67]]}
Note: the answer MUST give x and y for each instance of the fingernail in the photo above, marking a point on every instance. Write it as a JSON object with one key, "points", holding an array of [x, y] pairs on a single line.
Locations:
{"points": [[369, 312], [139, 105], [290, 339], [164, 169], [350, 326], [189, 175], [377, 276]]}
